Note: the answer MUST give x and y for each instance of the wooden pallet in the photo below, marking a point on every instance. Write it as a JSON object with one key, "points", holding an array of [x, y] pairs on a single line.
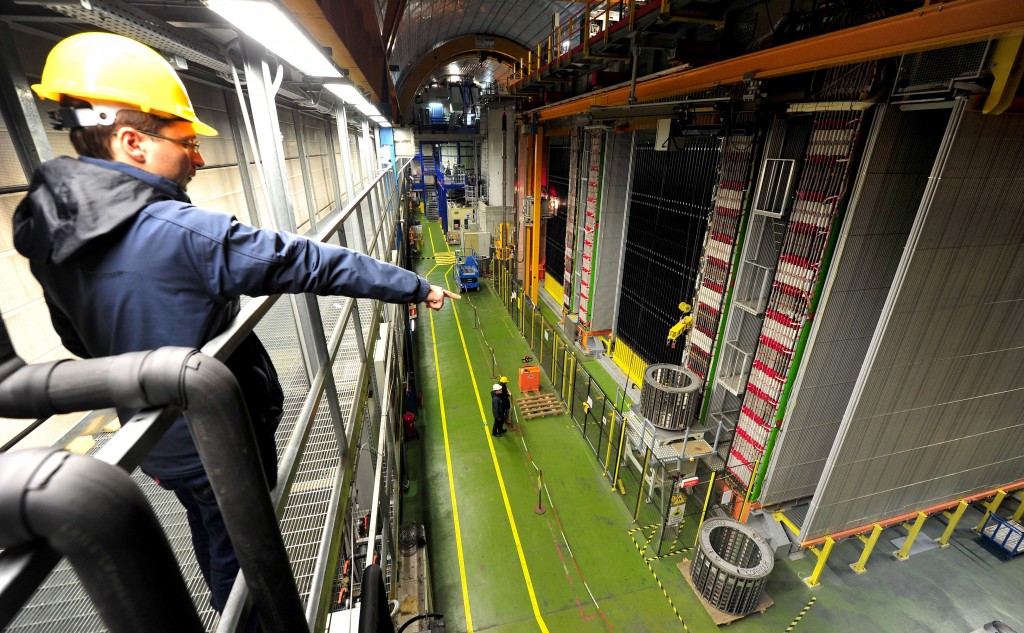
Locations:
{"points": [[721, 617], [541, 405]]}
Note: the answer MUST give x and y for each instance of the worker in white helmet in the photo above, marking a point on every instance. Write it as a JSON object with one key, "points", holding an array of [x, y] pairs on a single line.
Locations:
{"points": [[498, 410]]}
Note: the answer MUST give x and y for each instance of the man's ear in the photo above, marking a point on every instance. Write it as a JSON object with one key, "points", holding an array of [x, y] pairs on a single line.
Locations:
{"points": [[127, 144]]}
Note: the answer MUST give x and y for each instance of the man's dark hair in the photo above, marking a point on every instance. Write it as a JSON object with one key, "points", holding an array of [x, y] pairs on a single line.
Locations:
{"points": [[94, 141]]}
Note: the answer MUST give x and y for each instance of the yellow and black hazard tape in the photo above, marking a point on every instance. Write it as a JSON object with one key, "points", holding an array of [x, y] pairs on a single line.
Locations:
{"points": [[671, 553], [792, 625], [646, 527], [656, 579]]}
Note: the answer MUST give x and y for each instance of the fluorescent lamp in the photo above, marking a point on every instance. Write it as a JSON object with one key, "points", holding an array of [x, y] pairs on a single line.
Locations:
{"points": [[434, 104], [271, 27], [381, 121], [367, 108], [349, 93]]}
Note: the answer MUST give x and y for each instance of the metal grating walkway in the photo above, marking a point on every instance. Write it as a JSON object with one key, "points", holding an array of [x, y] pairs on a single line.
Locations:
{"points": [[61, 604]]}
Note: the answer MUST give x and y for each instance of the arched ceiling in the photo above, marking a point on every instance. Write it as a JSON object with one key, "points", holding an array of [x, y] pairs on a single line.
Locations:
{"points": [[420, 26], [483, 71]]}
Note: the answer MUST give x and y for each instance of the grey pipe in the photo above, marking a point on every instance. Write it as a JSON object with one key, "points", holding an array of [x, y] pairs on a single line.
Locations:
{"points": [[94, 514], [218, 420]]}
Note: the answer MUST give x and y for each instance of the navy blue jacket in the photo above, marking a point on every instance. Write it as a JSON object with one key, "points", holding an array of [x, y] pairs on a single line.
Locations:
{"points": [[498, 405], [128, 264]]}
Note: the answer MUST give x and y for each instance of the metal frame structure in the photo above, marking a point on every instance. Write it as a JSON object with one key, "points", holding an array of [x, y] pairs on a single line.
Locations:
{"points": [[337, 339]]}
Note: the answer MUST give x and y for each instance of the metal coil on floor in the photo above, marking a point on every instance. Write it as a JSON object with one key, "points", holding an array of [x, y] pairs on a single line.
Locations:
{"points": [[669, 396], [731, 566]]}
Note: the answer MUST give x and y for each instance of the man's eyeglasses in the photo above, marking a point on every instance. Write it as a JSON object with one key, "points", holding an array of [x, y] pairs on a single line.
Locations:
{"points": [[192, 145]]}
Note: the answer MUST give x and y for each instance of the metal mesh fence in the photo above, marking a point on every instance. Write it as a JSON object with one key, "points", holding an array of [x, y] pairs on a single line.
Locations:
{"points": [[668, 494]]}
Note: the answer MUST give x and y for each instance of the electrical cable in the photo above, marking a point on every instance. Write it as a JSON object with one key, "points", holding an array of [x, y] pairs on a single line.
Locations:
{"points": [[417, 618]]}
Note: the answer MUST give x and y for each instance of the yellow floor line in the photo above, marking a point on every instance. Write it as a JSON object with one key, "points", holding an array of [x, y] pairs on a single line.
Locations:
{"points": [[451, 481], [430, 231], [501, 480]]}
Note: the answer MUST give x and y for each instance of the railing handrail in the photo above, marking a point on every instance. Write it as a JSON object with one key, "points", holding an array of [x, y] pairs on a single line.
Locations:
{"points": [[126, 449]]}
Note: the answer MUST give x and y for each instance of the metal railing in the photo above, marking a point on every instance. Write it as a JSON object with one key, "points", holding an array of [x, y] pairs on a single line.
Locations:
{"points": [[353, 331]]}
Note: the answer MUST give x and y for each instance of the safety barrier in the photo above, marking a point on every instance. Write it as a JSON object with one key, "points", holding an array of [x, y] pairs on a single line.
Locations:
{"points": [[654, 484], [333, 405]]}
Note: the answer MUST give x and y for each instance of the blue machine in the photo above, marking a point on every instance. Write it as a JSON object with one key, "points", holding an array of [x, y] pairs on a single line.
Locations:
{"points": [[467, 272]]}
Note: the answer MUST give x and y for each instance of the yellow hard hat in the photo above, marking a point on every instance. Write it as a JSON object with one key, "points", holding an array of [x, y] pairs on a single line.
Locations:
{"points": [[110, 68], [503, 380]]}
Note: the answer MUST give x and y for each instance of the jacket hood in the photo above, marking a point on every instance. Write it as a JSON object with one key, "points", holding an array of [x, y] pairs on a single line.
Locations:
{"points": [[73, 203]]}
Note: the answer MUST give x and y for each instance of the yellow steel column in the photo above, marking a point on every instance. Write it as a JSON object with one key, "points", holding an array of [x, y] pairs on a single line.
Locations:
{"points": [[869, 544], [991, 507], [913, 529], [954, 518], [534, 234], [608, 452], [1020, 509], [822, 555], [704, 511], [1006, 70]]}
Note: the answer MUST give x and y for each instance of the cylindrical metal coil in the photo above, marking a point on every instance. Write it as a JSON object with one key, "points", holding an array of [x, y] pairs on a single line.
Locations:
{"points": [[669, 398], [731, 566]]}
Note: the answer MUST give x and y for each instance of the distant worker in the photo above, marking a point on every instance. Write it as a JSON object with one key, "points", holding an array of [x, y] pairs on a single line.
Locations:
{"points": [[498, 410], [506, 398], [128, 264]]}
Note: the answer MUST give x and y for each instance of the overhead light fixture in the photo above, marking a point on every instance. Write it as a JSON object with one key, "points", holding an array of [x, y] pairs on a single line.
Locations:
{"points": [[266, 23], [381, 121], [348, 93], [367, 108]]}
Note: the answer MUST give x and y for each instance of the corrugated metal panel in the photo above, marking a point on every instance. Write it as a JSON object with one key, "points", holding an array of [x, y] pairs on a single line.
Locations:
{"points": [[889, 192], [938, 412]]}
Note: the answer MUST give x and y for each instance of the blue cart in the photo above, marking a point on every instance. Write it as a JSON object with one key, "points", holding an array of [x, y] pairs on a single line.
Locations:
{"points": [[467, 272], [1007, 534]]}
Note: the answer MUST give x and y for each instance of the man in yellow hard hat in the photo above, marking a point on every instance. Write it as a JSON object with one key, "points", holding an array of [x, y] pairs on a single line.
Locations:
{"points": [[127, 263]]}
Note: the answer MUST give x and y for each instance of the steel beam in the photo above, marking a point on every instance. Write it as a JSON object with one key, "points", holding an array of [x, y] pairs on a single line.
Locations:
{"points": [[934, 26]]}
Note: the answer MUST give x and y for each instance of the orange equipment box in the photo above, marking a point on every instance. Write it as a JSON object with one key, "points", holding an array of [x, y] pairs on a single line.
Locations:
{"points": [[529, 378]]}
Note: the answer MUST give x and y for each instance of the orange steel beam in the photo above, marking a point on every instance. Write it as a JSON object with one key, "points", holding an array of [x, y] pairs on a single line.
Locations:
{"points": [[452, 49], [910, 515], [933, 26]]}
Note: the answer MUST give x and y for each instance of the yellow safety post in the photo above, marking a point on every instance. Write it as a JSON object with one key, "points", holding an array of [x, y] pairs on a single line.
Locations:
{"points": [[618, 451], [822, 555], [611, 434], [640, 488], [991, 507], [869, 544], [745, 508], [572, 384], [1020, 509], [954, 518], [565, 373], [554, 351], [913, 529], [704, 512]]}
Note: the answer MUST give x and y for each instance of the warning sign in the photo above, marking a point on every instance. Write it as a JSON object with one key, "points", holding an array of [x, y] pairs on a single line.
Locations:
{"points": [[675, 514]]}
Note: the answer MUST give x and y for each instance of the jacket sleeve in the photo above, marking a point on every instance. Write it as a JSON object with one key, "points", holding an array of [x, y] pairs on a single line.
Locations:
{"points": [[239, 259]]}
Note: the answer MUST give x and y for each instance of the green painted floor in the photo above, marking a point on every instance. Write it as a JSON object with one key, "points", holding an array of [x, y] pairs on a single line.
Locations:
{"points": [[499, 566]]}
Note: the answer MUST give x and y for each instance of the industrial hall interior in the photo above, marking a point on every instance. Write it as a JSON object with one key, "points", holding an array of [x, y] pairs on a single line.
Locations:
{"points": [[512, 315]]}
